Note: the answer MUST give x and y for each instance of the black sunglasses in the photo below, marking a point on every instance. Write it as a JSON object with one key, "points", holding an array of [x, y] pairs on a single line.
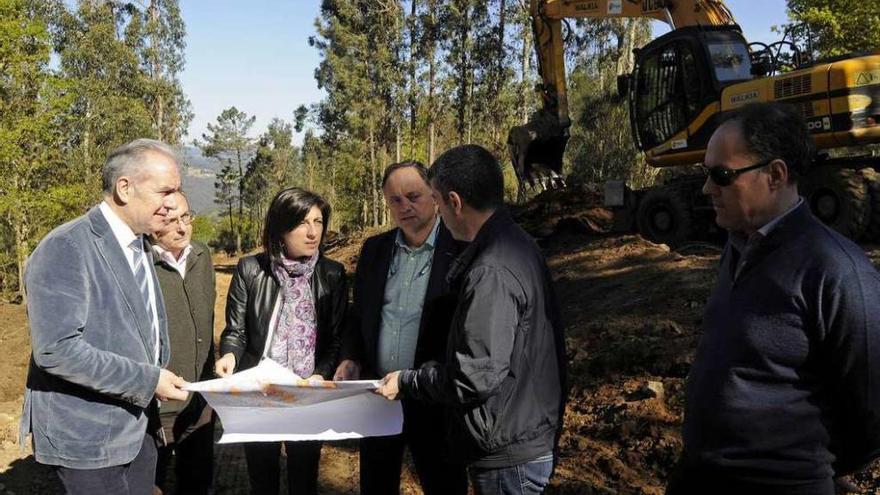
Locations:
{"points": [[724, 176]]}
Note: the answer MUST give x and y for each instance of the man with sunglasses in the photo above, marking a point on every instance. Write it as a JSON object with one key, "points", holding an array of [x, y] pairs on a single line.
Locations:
{"points": [[186, 276], [783, 393]]}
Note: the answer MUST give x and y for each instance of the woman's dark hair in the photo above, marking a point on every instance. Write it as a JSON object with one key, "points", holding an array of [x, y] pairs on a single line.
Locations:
{"points": [[287, 210]]}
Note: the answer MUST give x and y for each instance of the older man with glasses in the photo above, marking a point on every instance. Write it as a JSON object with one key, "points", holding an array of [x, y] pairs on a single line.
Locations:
{"points": [[186, 276], [783, 394]]}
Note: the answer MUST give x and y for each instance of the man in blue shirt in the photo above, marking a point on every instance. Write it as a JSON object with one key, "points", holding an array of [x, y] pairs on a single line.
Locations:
{"points": [[400, 319], [782, 396]]}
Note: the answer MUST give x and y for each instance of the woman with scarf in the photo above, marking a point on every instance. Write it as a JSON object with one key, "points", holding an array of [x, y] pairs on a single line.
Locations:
{"points": [[286, 304]]}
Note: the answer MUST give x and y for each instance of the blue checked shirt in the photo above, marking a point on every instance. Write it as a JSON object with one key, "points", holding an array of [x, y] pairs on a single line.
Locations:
{"points": [[402, 304]]}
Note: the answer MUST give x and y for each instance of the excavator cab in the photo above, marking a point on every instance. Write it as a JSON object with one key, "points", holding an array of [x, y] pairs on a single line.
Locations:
{"points": [[675, 78]]}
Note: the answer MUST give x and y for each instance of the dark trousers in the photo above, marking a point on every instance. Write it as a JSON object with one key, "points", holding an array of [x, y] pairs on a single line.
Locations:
{"points": [[134, 478], [264, 469], [190, 437], [528, 478], [424, 434], [698, 482]]}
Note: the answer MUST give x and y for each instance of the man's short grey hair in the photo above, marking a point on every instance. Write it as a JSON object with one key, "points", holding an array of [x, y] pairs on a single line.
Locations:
{"points": [[125, 160]]}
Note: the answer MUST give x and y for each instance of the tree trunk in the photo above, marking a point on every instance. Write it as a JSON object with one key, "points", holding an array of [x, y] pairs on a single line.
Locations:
{"points": [[232, 226], [332, 192], [86, 145], [470, 105], [373, 167], [365, 214], [413, 84], [240, 201], [382, 210], [20, 227], [526, 59], [159, 104], [626, 58], [497, 112], [397, 147], [463, 72], [429, 32], [21, 262]]}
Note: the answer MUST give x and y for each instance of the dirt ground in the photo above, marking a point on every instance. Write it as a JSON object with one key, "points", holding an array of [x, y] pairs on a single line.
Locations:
{"points": [[632, 311]]}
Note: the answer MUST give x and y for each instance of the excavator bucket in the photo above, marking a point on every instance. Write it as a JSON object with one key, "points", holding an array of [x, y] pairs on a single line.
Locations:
{"points": [[536, 151]]}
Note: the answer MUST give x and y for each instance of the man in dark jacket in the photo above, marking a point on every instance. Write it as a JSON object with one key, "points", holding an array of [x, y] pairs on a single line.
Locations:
{"points": [[186, 276], [399, 319], [504, 372], [782, 396]]}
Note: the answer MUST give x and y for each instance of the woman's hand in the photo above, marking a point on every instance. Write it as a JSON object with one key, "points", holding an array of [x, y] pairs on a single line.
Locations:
{"points": [[225, 366], [316, 377]]}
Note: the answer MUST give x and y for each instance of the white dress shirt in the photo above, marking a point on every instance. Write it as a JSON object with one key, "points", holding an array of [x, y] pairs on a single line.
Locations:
{"points": [[125, 236], [168, 257]]}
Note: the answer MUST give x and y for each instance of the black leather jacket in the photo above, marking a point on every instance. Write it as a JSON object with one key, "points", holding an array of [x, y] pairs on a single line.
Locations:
{"points": [[252, 298]]}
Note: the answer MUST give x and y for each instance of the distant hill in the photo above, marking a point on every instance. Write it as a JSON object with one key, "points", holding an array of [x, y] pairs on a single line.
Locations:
{"points": [[198, 179], [195, 159]]}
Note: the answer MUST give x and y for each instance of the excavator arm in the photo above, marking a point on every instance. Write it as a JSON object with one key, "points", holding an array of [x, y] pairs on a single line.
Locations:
{"points": [[536, 148]]}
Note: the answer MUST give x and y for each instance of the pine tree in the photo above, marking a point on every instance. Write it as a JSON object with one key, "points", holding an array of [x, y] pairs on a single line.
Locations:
{"points": [[228, 141]]}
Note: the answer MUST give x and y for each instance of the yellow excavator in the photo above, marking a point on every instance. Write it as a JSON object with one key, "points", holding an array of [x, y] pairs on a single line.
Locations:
{"points": [[681, 85]]}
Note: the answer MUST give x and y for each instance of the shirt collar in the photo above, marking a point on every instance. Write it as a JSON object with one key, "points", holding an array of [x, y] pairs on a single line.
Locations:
{"points": [[766, 229], [121, 231], [740, 240], [429, 242], [166, 255]]}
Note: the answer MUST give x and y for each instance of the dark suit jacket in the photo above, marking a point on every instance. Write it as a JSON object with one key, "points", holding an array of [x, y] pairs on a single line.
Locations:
{"points": [[189, 303], [361, 339]]}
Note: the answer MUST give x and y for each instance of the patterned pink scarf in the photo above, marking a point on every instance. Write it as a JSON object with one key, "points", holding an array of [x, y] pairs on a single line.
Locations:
{"points": [[293, 344]]}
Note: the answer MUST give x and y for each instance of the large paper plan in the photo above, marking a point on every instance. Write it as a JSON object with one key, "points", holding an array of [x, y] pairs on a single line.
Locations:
{"points": [[270, 403]]}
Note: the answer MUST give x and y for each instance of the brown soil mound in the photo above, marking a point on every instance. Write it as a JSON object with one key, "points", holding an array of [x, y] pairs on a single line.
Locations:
{"points": [[632, 311]]}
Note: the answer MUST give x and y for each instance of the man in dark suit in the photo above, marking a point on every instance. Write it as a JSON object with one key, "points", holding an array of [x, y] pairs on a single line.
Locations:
{"points": [[98, 331], [400, 319], [186, 276]]}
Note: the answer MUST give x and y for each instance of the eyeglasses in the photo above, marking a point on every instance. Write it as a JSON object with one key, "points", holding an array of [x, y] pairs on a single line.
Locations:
{"points": [[184, 219], [724, 176]]}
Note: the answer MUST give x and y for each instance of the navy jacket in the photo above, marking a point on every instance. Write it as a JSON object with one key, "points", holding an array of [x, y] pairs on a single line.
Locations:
{"points": [[785, 387]]}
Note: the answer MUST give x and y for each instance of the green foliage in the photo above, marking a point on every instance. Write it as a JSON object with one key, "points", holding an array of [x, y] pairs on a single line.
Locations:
{"points": [[228, 140], [837, 27], [406, 80], [204, 229], [602, 146], [58, 122], [234, 236], [161, 43]]}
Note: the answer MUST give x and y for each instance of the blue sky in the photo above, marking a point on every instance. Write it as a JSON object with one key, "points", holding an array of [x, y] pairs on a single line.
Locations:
{"points": [[256, 56]]}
